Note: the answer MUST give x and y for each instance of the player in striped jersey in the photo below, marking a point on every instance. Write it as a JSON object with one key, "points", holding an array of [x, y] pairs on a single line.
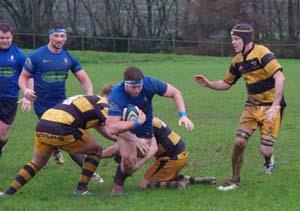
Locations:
{"points": [[264, 107], [171, 157], [64, 127]]}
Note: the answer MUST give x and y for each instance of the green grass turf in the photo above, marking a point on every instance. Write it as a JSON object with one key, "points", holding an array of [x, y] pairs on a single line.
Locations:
{"points": [[215, 115]]}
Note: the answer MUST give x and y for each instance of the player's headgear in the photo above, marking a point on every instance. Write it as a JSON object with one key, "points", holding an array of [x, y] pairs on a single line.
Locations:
{"points": [[57, 26], [133, 76], [244, 31]]}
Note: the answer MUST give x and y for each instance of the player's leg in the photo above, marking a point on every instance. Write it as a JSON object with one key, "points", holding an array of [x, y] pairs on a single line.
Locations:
{"points": [[41, 155], [3, 135], [89, 146], [269, 131], [58, 157], [8, 109], [127, 159], [247, 126], [163, 173]]}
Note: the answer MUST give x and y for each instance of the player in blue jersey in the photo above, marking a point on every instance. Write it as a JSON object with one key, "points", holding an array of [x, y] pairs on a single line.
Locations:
{"points": [[139, 90], [11, 62], [49, 66]]}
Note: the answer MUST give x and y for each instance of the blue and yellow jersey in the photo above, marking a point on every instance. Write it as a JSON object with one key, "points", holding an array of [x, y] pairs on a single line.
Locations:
{"points": [[50, 71], [119, 99], [170, 144], [75, 112], [257, 68], [11, 64]]}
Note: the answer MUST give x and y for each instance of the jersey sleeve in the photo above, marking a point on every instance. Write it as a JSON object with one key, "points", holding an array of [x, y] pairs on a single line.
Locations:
{"points": [[75, 64], [157, 86], [232, 75], [29, 65]]}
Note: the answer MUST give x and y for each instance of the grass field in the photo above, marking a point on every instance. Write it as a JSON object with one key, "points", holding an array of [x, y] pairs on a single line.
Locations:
{"points": [[215, 115]]}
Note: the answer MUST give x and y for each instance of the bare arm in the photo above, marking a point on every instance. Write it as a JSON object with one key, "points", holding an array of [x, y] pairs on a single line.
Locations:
{"points": [[279, 86], [85, 81], [215, 85], [176, 95], [115, 125], [26, 85], [106, 133]]}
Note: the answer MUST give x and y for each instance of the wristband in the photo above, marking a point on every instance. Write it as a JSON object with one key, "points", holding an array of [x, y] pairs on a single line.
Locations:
{"points": [[182, 114], [136, 123]]}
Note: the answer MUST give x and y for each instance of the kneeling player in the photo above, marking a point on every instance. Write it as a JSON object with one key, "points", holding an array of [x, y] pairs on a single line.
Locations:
{"points": [[171, 157], [64, 127]]}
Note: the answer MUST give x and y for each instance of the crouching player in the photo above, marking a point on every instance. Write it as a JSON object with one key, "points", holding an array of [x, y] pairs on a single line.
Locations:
{"points": [[171, 157], [64, 127]]}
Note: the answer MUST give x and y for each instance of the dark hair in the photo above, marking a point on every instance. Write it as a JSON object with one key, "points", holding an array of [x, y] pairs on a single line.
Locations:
{"points": [[56, 24], [133, 74], [4, 27], [244, 31]]}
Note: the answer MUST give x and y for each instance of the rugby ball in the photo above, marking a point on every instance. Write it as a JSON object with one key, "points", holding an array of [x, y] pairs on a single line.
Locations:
{"points": [[130, 112]]}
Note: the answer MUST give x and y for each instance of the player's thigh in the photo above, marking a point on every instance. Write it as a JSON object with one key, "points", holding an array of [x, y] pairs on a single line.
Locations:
{"points": [[164, 170]]}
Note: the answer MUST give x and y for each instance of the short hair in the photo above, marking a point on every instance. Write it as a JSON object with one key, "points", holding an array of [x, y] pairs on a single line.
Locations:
{"points": [[4, 27], [56, 24], [133, 74]]}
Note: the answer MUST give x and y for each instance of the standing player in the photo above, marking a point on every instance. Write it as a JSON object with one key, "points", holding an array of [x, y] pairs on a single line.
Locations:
{"points": [[64, 126], [139, 90], [263, 109], [49, 66], [11, 62]]}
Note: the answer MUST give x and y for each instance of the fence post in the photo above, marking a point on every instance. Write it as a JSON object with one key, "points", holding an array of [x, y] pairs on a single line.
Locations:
{"points": [[82, 43], [128, 45], [33, 41]]}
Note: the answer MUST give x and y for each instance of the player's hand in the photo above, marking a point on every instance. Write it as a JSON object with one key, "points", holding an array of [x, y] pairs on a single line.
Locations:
{"points": [[142, 146], [141, 117], [202, 80], [25, 104], [29, 94], [271, 112], [188, 124]]}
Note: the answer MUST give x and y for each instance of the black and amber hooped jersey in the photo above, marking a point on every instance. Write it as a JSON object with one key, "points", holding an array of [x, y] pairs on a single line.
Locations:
{"points": [[76, 112], [170, 144], [257, 68]]}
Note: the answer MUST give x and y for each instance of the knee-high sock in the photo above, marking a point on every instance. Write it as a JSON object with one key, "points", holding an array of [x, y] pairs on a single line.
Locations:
{"points": [[77, 158], [168, 184], [25, 174], [2, 143], [89, 166]]}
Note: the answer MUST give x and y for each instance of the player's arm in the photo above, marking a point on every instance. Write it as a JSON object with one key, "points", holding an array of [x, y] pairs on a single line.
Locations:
{"points": [[26, 85], [216, 85], [176, 95], [84, 81], [152, 150], [279, 86], [116, 126]]}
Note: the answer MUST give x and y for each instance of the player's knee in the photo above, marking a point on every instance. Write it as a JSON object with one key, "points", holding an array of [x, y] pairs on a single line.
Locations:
{"points": [[128, 162], [266, 150], [240, 143]]}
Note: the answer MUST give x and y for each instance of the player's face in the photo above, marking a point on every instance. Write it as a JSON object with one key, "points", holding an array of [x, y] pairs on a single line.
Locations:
{"points": [[133, 90], [5, 40], [58, 40], [237, 44]]}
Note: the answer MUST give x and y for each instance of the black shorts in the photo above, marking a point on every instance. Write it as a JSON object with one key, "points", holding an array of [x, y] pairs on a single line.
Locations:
{"points": [[8, 110]]}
